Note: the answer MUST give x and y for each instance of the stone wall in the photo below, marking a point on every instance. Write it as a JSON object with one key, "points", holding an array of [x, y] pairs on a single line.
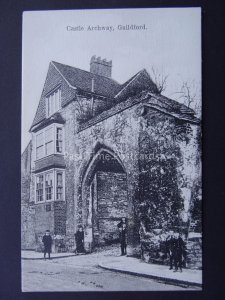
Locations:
{"points": [[169, 173], [118, 134], [194, 252], [111, 204], [157, 153], [60, 217], [27, 212]]}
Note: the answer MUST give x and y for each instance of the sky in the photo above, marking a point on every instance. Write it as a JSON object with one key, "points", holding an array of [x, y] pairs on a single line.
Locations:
{"points": [[171, 44]]}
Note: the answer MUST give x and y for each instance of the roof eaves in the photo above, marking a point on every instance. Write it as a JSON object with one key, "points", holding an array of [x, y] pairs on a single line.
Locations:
{"points": [[192, 119], [161, 98]]}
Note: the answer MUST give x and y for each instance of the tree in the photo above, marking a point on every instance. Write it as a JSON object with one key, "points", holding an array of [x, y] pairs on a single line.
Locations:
{"points": [[159, 78], [189, 94]]}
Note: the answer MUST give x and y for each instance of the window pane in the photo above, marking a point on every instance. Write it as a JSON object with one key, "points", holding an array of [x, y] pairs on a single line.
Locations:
{"points": [[59, 140], [59, 179], [39, 139], [39, 188], [59, 186], [49, 186], [50, 104], [40, 152], [57, 100], [49, 135], [53, 102], [49, 148]]}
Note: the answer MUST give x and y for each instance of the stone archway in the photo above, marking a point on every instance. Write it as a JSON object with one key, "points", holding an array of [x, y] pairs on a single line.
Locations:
{"points": [[104, 198]]}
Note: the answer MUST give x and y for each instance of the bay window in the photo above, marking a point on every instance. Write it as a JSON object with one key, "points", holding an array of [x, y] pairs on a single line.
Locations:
{"points": [[49, 141], [50, 185]]}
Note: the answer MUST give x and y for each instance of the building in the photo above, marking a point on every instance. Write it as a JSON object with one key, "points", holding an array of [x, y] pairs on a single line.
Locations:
{"points": [[101, 150]]}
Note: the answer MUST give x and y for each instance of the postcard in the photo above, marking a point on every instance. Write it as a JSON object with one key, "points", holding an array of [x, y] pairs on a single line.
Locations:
{"points": [[111, 184]]}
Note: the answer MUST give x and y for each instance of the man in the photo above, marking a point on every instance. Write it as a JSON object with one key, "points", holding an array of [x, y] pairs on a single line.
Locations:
{"points": [[123, 239], [47, 241], [170, 246], [79, 238], [179, 252]]}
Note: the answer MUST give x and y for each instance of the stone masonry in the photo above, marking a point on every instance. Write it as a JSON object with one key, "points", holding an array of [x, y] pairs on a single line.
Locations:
{"points": [[128, 152]]}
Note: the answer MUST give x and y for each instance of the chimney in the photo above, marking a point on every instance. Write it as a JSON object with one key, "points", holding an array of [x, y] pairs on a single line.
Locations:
{"points": [[101, 66]]}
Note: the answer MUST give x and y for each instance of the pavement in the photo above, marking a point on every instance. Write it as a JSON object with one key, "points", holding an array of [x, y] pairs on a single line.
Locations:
{"points": [[132, 266], [33, 255], [137, 267]]}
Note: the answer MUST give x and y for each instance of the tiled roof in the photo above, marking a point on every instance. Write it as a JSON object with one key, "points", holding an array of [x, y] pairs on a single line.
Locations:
{"points": [[173, 105], [55, 118], [145, 97], [81, 79], [139, 82], [110, 89]]}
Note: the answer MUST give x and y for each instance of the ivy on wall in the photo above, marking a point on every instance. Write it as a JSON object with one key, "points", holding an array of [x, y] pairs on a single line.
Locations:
{"points": [[160, 200]]}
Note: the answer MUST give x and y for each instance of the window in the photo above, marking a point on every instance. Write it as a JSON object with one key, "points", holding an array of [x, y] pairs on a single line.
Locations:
{"points": [[40, 145], [39, 188], [49, 141], [53, 102], [49, 147], [50, 186], [59, 140], [59, 186]]}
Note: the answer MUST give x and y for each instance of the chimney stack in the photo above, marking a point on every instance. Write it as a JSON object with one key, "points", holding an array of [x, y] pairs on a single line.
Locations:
{"points": [[101, 66]]}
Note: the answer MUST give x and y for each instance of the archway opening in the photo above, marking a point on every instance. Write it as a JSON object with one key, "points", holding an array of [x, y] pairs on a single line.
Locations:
{"points": [[104, 194]]}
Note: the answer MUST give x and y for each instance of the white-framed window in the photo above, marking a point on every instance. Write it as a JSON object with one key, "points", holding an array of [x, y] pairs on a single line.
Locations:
{"points": [[50, 186], [39, 188], [53, 102], [49, 140]]}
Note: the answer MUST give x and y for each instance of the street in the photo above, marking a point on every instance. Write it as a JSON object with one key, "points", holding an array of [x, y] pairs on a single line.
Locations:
{"points": [[82, 273]]}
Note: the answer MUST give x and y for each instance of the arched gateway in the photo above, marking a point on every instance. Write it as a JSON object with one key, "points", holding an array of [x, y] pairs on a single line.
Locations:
{"points": [[104, 198]]}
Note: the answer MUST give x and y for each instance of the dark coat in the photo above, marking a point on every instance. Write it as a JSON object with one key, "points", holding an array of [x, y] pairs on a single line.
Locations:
{"points": [[79, 238], [170, 245], [123, 236], [47, 241], [180, 247]]}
